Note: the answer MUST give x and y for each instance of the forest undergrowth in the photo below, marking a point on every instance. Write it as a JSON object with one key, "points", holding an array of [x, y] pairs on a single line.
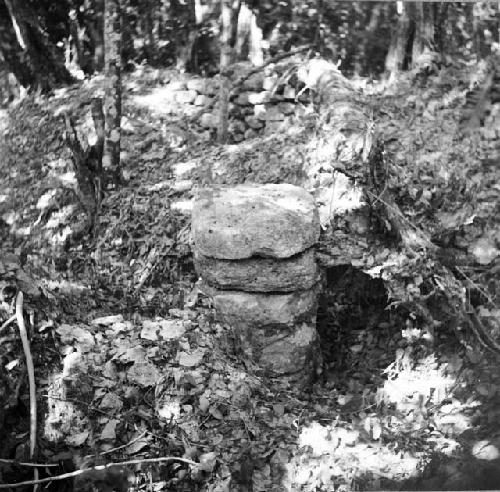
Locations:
{"points": [[131, 365]]}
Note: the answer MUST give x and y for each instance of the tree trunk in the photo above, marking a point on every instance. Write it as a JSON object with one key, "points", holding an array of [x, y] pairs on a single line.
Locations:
{"points": [[423, 39], [183, 15], [440, 16], [319, 38], [9, 86], [225, 61], [99, 35], [365, 55], [113, 94], [235, 12], [15, 58], [241, 50], [87, 164], [150, 32], [498, 27], [27, 50], [395, 59], [198, 12], [249, 38], [128, 19], [93, 20], [79, 58], [256, 49]]}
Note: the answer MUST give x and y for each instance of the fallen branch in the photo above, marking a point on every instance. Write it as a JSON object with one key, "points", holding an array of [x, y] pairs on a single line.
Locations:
{"points": [[28, 465], [95, 469], [123, 446], [31, 376], [7, 323], [411, 236], [272, 60]]}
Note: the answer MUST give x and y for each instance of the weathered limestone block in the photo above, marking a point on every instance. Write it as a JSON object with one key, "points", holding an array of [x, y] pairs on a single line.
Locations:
{"points": [[250, 133], [272, 220], [254, 82], [236, 126], [254, 122], [274, 114], [209, 120], [275, 127], [183, 170], [211, 87], [289, 92], [189, 110], [270, 82], [198, 85], [259, 97], [287, 108], [177, 85], [260, 274], [294, 352], [253, 98], [242, 99], [186, 97], [248, 311], [201, 100], [259, 111]]}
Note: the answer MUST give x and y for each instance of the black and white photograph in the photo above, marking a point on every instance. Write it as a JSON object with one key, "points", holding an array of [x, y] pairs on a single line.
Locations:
{"points": [[249, 245]]}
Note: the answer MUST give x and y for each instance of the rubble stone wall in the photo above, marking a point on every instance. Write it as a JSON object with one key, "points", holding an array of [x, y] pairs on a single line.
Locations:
{"points": [[263, 104]]}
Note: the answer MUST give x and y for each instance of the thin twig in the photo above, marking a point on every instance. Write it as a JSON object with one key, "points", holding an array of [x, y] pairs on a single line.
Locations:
{"points": [[139, 437], [29, 465], [8, 322], [31, 377], [477, 287], [77, 473], [395, 209]]}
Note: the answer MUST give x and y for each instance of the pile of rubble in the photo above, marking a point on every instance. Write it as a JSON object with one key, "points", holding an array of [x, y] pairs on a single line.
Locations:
{"points": [[264, 103]]}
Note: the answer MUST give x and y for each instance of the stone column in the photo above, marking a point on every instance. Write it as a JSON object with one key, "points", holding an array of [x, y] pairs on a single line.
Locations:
{"points": [[254, 249]]}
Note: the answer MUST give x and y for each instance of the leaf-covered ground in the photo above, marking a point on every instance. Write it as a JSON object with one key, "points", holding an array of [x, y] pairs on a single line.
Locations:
{"points": [[130, 363]]}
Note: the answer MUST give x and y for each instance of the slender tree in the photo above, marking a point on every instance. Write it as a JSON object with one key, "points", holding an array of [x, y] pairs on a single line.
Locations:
{"points": [[27, 50], [184, 15], [148, 12], [249, 37], [225, 61], [93, 18], [79, 57], [395, 59], [113, 93], [423, 38]]}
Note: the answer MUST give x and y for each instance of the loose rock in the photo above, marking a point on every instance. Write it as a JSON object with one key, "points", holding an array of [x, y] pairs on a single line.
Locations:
{"points": [[259, 97], [209, 120], [254, 122], [198, 85], [201, 100], [177, 85], [185, 97]]}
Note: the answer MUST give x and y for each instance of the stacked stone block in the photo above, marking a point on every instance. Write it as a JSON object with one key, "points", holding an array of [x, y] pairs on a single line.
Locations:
{"points": [[253, 248], [263, 104]]}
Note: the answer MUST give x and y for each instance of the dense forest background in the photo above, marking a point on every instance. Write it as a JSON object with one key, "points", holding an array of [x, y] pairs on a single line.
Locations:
{"points": [[367, 38]]}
